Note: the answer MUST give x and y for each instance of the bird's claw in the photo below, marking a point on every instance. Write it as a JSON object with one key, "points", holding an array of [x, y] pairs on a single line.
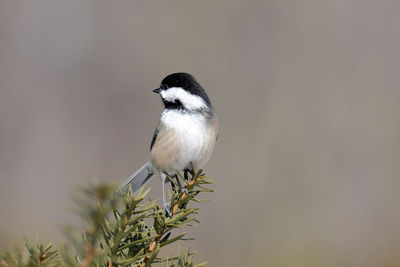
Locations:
{"points": [[184, 190]]}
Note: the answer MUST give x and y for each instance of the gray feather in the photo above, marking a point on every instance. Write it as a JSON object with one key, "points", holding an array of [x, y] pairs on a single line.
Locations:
{"points": [[139, 178]]}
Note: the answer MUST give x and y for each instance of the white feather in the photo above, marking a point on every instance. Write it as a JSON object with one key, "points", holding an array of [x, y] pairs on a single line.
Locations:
{"points": [[193, 142], [188, 100]]}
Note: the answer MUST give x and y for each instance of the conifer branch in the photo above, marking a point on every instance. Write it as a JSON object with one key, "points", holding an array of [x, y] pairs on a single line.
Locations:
{"points": [[122, 229]]}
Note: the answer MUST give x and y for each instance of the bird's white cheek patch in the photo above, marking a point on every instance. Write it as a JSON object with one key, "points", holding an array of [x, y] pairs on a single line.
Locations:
{"points": [[188, 100]]}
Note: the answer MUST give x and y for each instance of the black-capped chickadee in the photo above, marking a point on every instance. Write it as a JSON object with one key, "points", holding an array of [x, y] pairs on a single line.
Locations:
{"points": [[185, 135]]}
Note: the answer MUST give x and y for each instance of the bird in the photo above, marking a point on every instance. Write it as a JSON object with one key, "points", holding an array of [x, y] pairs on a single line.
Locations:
{"points": [[185, 135]]}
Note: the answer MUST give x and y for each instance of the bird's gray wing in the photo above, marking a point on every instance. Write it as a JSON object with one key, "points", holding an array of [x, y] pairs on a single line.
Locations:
{"points": [[139, 178]]}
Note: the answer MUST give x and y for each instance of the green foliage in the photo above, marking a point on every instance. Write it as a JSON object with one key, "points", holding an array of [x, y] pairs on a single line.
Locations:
{"points": [[37, 255], [122, 229], [184, 258]]}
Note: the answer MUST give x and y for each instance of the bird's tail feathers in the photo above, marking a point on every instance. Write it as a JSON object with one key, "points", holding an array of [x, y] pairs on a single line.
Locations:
{"points": [[139, 178]]}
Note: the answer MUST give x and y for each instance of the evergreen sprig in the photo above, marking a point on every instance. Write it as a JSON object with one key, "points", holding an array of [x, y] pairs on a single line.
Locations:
{"points": [[121, 228]]}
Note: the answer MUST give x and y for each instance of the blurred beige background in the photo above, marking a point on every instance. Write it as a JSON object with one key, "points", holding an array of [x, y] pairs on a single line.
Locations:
{"points": [[307, 93]]}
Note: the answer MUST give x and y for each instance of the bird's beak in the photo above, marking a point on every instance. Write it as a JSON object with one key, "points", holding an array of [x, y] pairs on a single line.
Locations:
{"points": [[157, 91]]}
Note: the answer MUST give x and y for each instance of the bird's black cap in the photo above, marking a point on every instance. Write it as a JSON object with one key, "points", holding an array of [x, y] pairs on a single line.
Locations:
{"points": [[187, 82]]}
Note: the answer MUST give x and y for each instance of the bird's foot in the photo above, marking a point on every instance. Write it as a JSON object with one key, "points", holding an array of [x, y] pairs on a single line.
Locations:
{"points": [[184, 190]]}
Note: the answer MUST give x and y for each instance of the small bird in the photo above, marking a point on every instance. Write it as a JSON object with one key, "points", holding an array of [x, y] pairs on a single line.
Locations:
{"points": [[185, 135]]}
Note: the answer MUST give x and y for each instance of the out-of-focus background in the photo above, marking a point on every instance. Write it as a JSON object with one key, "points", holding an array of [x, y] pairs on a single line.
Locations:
{"points": [[307, 94]]}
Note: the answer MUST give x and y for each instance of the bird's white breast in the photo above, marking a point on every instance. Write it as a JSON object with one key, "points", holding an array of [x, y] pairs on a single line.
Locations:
{"points": [[193, 132]]}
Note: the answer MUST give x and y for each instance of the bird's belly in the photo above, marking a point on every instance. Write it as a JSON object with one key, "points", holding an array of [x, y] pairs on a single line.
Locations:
{"points": [[195, 149], [184, 141]]}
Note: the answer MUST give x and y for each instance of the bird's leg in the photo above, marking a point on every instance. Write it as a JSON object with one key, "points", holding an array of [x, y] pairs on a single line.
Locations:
{"points": [[164, 200]]}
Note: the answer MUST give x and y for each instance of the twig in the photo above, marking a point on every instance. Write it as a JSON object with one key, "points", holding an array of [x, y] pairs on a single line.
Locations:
{"points": [[183, 197], [158, 238], [152, 247], [89, 255]]}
